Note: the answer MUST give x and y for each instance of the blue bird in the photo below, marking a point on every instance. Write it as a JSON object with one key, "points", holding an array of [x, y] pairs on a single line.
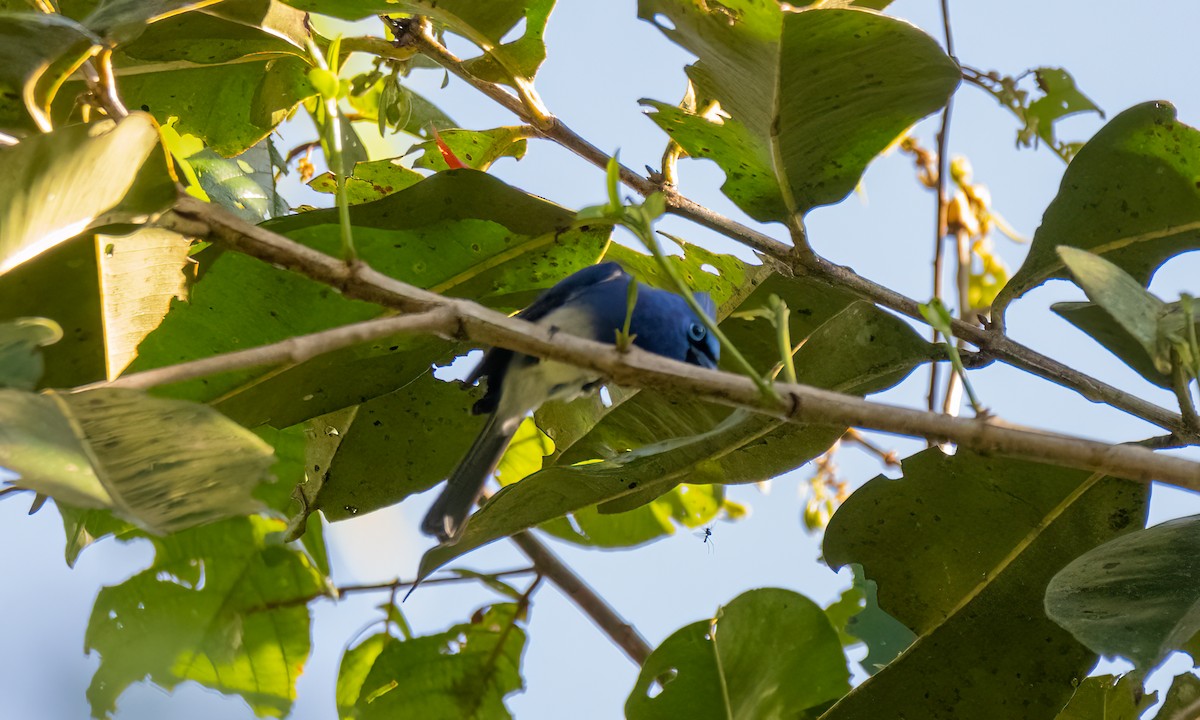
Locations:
{"points": [[590, 303]]}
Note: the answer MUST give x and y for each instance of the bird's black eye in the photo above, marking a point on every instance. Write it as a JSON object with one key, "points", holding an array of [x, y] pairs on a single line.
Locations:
{"points": [[697, 332]]}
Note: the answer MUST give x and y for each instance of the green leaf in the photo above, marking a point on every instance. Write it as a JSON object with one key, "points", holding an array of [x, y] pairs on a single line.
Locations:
{"points": [[85, 526], [996, 530], [218, 606], [1134, 596], [519, 59], [1130, 196], [21, 362], [245, 185], [105, 448], [356, 663], [1097, 323], [1061, 98], [253, 96], [885, 636], [476, 149], [465, 672], [399, 444], [56, 185], [859, 350], [38, 52], [462, 233], [400, 107], [1122, 297], [769, 653], [370, 180], [63, 285], [813, 96], [1108, 697], [1184, 691]]}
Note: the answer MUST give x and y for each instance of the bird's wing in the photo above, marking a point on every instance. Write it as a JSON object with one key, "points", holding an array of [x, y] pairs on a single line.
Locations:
{"points": [[495, 361]]}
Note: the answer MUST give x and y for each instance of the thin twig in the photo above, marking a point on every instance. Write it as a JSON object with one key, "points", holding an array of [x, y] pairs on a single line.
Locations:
{"points": [[395, 585], [888, 457], [548, 564], [637, 368], [292, 351], [939, 219], [995, 344]]}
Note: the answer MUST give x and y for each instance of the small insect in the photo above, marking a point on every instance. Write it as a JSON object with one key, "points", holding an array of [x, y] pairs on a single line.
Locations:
{"points": [[706, 537]]}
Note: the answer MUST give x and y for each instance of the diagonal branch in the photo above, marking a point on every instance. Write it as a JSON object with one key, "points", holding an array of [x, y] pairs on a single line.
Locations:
{"points": [[637, 368], [993, 343]]}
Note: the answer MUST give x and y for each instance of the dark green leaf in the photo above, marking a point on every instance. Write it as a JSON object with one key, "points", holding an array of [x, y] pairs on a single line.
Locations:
{"points": [[220, 33], [38, 52], [1130, 196], [961, 548], [769, 653], [1134, 309], [84, 527], [1093, 320], [217, 607], [62, 284], [58, 184], [104, 448], [21, 362], [1134, 596], [813, 96], [402, 108]]}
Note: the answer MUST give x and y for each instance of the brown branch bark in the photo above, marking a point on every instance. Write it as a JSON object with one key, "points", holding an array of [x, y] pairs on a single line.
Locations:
{"points": [[637, 368], [549, 565]]}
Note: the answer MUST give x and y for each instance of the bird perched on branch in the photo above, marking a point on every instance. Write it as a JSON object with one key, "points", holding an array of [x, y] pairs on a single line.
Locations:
{"points": [[591, 303]]}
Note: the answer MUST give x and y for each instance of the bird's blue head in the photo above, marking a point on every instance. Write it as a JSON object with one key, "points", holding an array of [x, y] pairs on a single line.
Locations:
{"points": [[703, 347]]}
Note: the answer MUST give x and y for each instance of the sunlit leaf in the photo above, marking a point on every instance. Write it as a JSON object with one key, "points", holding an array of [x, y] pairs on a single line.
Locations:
{"points": [[465, 672], [747, 663], [1108, 697], [370, 180], [37, 53], [57, 185], [476, 149], [218, 607]]}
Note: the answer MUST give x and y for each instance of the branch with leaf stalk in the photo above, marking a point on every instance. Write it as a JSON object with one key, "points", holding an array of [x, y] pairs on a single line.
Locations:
{"points": [[991, 341]]}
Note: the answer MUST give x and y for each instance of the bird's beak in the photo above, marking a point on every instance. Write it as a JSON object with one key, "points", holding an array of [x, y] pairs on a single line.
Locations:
{"points": [[697, 356]]}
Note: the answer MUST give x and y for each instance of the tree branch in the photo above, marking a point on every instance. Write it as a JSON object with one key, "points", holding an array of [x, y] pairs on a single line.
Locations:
{"points": [[292, 351], [548, 564], [637, 368], [996, 344]]}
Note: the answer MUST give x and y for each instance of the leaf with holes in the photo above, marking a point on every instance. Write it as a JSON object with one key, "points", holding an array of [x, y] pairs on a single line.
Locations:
{"points": [[961, 548], [370, 180], [464, 672], [806, 99], [218, 606], [476, 149], [744, 663]]}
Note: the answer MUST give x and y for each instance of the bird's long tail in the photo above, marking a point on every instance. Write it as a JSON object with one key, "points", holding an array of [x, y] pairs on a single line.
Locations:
{"points": [[448, 515]]}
